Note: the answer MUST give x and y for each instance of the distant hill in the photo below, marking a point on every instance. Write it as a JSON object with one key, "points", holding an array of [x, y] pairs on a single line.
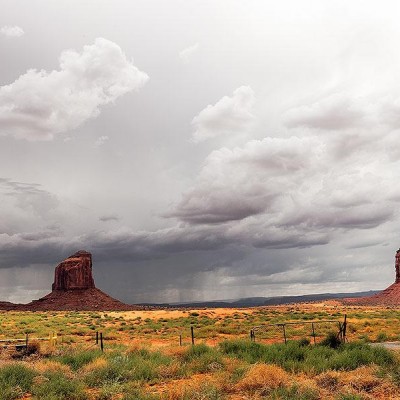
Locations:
{"points": [[265, 301]]}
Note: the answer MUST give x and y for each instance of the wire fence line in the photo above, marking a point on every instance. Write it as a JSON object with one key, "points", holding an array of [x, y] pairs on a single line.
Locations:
{"points": [[317, 330], [267, 333]]}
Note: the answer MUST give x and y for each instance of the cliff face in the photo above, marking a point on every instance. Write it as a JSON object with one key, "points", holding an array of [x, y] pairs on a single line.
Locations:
{"points": [[75, 272]]}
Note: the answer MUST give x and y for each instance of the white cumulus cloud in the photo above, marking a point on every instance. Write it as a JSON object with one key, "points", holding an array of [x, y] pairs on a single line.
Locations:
{"points": [[12, 31], [40, 104], [230, 115]]}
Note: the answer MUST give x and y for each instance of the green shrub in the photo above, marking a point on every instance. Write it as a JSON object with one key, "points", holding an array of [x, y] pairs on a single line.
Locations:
{"points": [[202, 358], [349, 396], [381, 337], [294, 393], [197, 351], [15, 381], [59, 387], [140, 365], [109, 390], [77, 359], [296, 358], [304, 342], [138, 394], [331, 341]]}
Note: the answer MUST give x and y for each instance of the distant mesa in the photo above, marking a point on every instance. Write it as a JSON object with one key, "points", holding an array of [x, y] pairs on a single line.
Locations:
{"points": [[388, 297], [73, 289]]}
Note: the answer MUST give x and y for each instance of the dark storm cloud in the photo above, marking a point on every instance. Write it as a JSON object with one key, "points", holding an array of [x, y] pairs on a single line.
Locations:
{"points": [[110, 217]]}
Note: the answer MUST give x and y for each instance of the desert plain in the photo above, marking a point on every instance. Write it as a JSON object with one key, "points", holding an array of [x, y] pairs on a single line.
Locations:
{"points": [[149, 354]]}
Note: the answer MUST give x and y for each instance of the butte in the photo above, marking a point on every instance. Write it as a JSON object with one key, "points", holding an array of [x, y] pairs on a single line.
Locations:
{"points": [[74, 289]]}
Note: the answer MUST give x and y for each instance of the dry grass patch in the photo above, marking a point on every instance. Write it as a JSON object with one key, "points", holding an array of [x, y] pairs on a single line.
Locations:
{"points": [[198, 387], [328, 380], [94, 365], [175, 351], [46, 366], [263, 377], [362, 379], [170, 371]]}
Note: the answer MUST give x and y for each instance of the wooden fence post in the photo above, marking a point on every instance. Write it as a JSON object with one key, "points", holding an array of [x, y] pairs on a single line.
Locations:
{"points": [[313, 331], [101, 342], [180, 340], [26, 342], [344, 327], [284, 333], [97, 337], [192, 333]]}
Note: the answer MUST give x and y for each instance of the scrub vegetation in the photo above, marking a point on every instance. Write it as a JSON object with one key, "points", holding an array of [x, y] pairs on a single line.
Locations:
{"points": [[142, 358]]}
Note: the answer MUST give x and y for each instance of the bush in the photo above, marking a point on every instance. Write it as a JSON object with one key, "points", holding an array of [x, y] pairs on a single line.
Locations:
{"points": [[202, 358], [138, 394], [294, 393], [59, 387], [381, 337], [331, 341], [77, 359], [304, 342], [137, 365], [317, 359], [15, 381], [197, 351]]}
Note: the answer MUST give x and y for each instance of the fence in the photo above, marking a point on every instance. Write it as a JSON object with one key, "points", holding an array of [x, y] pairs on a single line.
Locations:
{"points": [[300, 329], [23, 343], [294, 330]]}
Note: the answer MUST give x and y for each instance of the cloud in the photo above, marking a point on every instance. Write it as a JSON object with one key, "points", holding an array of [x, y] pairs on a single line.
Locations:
{"points": [[110, 217], [21, 198], [40, 104], [12, 31], [291, 192], [101, 140], [334, 112], [246, 181], [229, 116], [186, 54]]}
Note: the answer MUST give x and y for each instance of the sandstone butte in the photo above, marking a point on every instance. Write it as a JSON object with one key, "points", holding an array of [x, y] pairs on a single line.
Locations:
{"points": [[73, 289]]}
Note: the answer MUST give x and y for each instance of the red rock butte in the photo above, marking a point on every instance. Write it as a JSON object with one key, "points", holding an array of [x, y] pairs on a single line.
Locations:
{"points": [[75, 272], [73, 289], [388, 297]]}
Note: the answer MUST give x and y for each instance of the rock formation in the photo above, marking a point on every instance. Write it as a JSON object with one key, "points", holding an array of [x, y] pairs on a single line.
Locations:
{"points": [[75, 272], [73, 289], [388, 297]]}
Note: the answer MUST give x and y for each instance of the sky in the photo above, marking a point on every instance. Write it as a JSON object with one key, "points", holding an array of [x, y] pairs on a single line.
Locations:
{"points": [[200, 150]]}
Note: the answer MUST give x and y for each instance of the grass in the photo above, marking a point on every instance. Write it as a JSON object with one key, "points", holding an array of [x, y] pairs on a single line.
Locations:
{"points": [[15, 381], [242, 367], [78, 358], [298, 358], [143, 359], [57, 386]]}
